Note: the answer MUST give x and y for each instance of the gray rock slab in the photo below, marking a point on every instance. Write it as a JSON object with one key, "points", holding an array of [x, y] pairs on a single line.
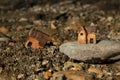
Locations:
{"points": [[104, 50]]}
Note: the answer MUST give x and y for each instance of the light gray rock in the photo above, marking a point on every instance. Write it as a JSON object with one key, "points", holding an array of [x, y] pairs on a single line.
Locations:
{"points": [[104, 50]]}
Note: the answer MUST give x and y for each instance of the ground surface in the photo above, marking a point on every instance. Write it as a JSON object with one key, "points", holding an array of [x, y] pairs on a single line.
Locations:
{"points": [[16, 20]]}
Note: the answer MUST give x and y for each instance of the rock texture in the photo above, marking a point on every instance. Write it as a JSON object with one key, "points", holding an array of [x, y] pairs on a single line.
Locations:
{"points": [[103, 51]]}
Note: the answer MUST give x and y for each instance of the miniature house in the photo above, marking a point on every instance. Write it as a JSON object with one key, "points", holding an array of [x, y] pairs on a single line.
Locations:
{"points": [[37, 39], [87, 35]]}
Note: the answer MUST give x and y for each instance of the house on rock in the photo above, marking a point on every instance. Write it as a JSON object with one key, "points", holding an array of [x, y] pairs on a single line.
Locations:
{"points": [[87, 35]]}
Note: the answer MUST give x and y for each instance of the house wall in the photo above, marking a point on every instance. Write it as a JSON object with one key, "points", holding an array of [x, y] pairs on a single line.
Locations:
{"points": [[91, 36], [82, 37], [34, 43]]}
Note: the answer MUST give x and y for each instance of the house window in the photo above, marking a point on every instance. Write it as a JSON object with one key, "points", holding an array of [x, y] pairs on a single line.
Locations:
{"points": [[29, 44], [81, 34], [91, 40]]}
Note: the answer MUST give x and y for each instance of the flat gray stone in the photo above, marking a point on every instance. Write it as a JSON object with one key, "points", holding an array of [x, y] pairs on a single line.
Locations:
{"points": [[104, 50]]}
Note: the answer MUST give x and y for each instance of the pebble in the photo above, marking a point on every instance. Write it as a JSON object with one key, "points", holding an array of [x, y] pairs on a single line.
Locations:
{"points": [[52, 25], [104, 50], [36, 9], [4, 39], [61, 77], [37, 22], [118, 74], [23, 20], [19, 28], [72, 75], [47, 74], [20, 76], [109, 78], [110, 18], [95, 70], [45, 62], [29, 26], [73, 66], [3, 30], [1, 69]]}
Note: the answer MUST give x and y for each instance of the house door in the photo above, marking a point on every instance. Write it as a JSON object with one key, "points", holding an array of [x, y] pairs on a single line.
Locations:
{"points": [[91, 40]]}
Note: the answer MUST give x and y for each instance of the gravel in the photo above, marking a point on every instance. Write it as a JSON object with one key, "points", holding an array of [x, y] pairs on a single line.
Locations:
{"points": [[17, 17]]}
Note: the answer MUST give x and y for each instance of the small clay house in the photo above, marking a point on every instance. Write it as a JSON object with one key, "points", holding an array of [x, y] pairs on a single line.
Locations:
{"points": [[37, 39], [87, 35]]}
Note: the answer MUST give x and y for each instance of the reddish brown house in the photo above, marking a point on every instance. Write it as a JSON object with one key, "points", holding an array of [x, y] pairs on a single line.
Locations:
{"points": [[37, 39], [87, 35]]}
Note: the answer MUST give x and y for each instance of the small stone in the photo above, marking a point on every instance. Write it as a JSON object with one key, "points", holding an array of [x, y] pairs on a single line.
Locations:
{"points": [[20, 76], [61, 77], [47, 74], [72, 75], [38, 22], [36, 9], [3, 30], [73, 66], [52, 25], [118, 74], [86, 6], [95, 70], [4, 39], [11, 43], [103, 51], [109, 78], [45, 62], [19, 28], [29, 26], [23, 20], [110, 18], [1, 69]]}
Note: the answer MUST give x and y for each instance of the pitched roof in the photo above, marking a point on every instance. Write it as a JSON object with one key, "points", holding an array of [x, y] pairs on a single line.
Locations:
{"points": [[40, 36], [91, 29]]}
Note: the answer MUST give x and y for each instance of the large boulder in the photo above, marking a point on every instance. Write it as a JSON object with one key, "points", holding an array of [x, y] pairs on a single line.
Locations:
{"points": [[101, 52]]}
